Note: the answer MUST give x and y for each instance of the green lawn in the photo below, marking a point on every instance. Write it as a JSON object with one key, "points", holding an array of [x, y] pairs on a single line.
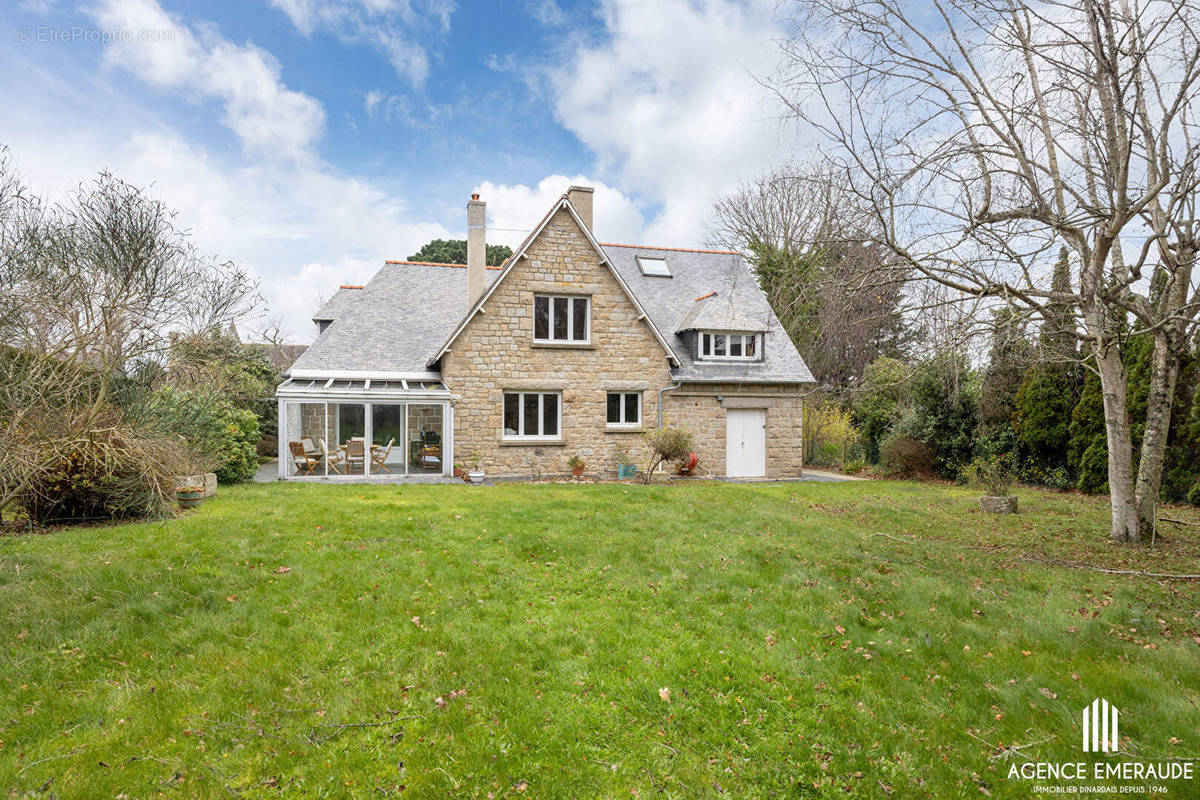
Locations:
{"points": [[521, 640]]}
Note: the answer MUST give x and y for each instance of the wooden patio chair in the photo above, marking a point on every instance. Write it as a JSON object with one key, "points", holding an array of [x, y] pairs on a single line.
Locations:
{"points": [[335, 460], [355, 449], [431, 456], [379, 458], [305, 464]]}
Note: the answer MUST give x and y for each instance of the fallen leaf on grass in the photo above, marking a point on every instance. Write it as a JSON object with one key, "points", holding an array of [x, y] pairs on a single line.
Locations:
{"points": [[665, 694], [283, 570]]}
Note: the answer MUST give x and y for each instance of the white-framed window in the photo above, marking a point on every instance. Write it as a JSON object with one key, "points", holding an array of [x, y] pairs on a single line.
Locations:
{"points": [[624, 409], [532, 415], [562, 318], [729, 346]]}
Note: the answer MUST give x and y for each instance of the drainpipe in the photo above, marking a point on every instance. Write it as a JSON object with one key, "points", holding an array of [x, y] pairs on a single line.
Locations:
{"points": [[660, 398]]}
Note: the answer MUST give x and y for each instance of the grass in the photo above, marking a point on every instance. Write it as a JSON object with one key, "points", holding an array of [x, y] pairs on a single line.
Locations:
{"points": [[587, 641]]}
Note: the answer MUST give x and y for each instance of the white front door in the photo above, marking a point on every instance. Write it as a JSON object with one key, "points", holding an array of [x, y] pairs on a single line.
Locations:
{"points": [[745, 442]]}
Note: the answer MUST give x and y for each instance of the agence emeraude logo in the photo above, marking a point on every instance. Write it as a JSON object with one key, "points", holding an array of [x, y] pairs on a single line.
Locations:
{"points": [[1101, 734]]}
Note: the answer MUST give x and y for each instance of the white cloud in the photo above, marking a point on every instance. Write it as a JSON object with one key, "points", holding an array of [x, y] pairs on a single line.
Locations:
{"points": [[514, 209], [386, 25], [300, 225], [669, 103], [268, 118]]}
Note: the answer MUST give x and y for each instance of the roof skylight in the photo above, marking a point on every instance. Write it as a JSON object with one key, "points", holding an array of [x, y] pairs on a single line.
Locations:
{"points": [[654, 266]]}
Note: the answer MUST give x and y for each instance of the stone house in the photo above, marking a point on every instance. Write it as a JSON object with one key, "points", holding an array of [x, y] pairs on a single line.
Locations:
{"points": [[571, 347]]}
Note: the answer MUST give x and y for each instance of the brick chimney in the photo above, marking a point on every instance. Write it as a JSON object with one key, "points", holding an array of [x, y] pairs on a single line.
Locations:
{"points": [[476, 248], [581, 198]]}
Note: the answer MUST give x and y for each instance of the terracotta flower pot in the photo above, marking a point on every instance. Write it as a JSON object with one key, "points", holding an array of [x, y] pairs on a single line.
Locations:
{"points": [[577, 471]]}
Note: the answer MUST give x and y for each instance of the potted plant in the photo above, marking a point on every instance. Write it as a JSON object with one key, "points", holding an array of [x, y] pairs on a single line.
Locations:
{"points": [[460, 471], [576, 464], [996, 475], [476, 474], [626, 470], [189, 496]]}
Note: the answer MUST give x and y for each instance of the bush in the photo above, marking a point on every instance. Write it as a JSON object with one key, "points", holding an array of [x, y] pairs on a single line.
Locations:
{"points": [[996, 474], [854, 467], [828, 431], [111, 473], [1093, 467], [1193, 496], [238, 450], [666, 444], [223, 437], [907, 457]]}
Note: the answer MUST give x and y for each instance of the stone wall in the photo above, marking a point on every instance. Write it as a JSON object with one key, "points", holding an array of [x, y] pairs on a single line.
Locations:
{"points": [[496, 353], [697, 408]]}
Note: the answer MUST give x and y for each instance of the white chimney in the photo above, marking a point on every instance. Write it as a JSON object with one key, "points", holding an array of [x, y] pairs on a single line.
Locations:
{"points": [[476, 248], [581, 198]]}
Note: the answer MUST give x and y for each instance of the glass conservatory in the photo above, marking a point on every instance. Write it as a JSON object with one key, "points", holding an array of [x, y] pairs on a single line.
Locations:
{"points": [[340, 428]]}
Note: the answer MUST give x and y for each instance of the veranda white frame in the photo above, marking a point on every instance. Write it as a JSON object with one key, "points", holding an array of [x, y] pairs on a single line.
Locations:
{"points": [[368, 393]]}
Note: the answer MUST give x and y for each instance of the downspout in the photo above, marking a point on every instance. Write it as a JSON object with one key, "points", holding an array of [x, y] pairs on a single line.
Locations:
{"points": [[660, 399]]}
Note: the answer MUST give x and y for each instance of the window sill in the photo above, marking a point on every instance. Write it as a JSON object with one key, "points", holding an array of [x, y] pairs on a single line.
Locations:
{"points": [[532, 443], [624, 429], [564, 345]]}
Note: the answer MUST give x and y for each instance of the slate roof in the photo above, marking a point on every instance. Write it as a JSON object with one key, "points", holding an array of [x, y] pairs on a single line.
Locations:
{"points": [[694, 274], [715, 312], [400, 319], [395, 323]]}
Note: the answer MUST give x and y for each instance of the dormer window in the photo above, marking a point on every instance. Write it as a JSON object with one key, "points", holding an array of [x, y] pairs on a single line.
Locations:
{"points": [[728, 346]]}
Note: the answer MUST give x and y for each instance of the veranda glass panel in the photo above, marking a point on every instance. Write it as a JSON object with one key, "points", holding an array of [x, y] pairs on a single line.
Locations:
{"points": [[387, 439], [425, 439], [304, 434], [348, 446]]}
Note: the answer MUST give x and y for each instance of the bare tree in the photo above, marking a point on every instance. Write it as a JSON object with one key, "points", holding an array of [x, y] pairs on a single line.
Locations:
{"points": [[835, 292], [983, 135], [90, 292]]}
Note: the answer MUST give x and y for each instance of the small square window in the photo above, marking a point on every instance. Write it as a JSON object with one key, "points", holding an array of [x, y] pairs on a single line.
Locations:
{"points": [[624, 409]]}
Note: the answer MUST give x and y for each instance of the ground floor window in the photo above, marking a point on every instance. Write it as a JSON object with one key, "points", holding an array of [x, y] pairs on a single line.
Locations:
{"points": [[532, 415], [624, 409]]}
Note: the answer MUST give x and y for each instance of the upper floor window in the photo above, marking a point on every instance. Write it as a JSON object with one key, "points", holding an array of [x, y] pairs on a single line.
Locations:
{"points": [[559, 318], [729, 346]]}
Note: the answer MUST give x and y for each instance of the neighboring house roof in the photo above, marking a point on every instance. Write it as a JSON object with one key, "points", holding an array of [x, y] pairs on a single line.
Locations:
{"points": [[563, 204], [281, 356], [739, 302], [393, 324]]}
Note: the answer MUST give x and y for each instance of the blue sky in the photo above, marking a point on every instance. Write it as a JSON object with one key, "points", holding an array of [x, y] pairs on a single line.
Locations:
{"points": [[310, 139]]}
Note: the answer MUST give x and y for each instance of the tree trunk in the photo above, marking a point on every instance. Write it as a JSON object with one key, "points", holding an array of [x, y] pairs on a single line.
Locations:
{"points": [[1120, 444], [1164, 371]]}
